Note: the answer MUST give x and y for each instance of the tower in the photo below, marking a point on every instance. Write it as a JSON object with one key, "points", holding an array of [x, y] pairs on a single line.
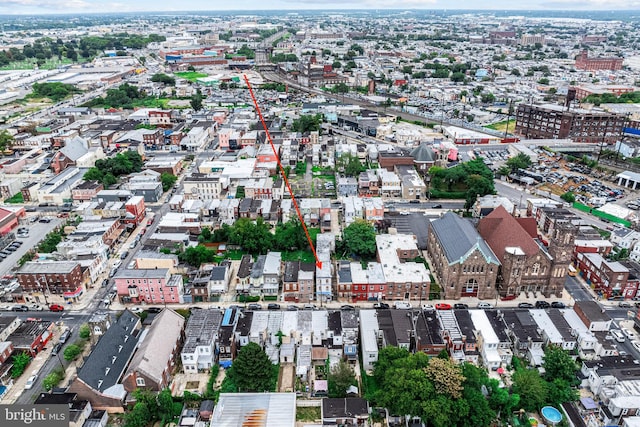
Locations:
{"points": [[561, 244]]}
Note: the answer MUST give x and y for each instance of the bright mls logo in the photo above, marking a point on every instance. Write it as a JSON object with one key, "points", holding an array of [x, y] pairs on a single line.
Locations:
{"points": [[34, 415]]}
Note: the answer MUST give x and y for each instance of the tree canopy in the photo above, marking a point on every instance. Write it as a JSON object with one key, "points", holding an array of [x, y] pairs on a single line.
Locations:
{"points": [[106, 170], [340, 378], [55, 91], [6, 139], [434, 389], [359, 238], [163, 78], [521, 161], [251, 370], [307, 123], [349, 164]]}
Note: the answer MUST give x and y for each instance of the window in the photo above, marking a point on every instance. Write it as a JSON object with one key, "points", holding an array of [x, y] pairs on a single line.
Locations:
{"points": [[140, 382], [536, 269]]}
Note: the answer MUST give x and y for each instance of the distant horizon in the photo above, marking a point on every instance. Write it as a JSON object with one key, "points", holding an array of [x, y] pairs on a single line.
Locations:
{"points": [[93, 7]]}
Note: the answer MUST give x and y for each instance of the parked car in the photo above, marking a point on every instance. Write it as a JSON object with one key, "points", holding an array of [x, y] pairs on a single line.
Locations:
{"points": [[56, 307], [427, 307], [402, 305], [525, 305], [124, 254], [414, 201], [293, 308], [19, 308], [347, 307], [381, 305], [460, 306], [310, 307], [484, 305], [35, 307], [45, 220], [438, 206], [154, 309], [624, 304], [65, 336], [273, 306], [31, 381], [254, 306], [139, 309], [558, 304], [443, 306], [542, 304], [105, 282], [56, 348]]}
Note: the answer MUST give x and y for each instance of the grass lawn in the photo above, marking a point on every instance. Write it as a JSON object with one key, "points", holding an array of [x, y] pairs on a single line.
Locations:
{"points": [[17, 198], [502, 126], [304, 256], [307, 413], [191, 75], [234, 254]]}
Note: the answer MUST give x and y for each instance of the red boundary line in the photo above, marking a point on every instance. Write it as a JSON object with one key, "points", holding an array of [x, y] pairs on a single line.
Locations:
{"points": [[284, 176]]}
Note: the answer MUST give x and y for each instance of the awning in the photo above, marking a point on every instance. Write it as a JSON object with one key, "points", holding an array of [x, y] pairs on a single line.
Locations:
{"points": [[73, 294]]}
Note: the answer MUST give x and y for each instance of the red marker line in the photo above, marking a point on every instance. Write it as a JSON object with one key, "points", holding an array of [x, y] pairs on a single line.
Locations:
{"points": [[284, 175]]}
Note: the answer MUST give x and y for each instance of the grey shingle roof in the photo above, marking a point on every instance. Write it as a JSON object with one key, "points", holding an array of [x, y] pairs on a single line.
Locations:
{"points": [[108, 354], [458, 238]]}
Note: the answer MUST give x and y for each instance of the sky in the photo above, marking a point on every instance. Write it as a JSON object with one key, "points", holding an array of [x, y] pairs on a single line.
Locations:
{"points": [[97, 6]]}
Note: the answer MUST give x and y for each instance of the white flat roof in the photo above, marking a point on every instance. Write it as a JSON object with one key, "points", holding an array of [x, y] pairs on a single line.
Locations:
{"points": [[482, 324]]}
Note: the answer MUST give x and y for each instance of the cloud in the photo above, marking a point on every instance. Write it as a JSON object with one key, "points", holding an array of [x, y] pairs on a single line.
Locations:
{"points": [[591, 4]]}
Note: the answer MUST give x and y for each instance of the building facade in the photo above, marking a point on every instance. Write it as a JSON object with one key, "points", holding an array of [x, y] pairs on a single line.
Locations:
{"points": [[555, 122], [461, 260]]}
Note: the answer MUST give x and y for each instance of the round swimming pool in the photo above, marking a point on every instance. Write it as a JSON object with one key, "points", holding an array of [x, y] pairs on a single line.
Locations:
{"points": [[551, 415]]}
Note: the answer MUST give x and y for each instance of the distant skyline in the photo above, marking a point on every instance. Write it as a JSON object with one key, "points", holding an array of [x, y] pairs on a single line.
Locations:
{"points": [[106, 6]]}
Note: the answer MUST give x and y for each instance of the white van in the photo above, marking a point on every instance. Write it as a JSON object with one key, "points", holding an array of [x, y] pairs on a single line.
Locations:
{"points": [[618, 335], [402, 305]]}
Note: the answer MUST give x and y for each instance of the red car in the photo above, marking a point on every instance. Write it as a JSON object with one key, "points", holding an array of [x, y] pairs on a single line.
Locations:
{"points": [[56, 307], [443, 306]]}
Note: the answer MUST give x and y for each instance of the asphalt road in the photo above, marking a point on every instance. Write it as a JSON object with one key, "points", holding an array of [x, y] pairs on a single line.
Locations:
{"points": [[65, 319], [577, 290]]}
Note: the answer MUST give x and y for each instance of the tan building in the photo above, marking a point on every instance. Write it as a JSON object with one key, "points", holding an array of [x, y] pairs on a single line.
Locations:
{"points": [[462, 262], [527, 265]]}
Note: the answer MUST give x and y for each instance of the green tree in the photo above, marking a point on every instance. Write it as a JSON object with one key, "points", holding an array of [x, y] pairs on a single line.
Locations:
{"points": [[254, 236], [139, 416], [558, 364], [568, 197], [290, 236], [349, 164], [84, 331], [53, 379], [446, 377], [307, 123], [360, 239], [167, 180], [560, 391], [163, 78], [521, 161], [6, 140], [197, 255], [531, 388], [20, 362], [251, 370], [72, 352], [340, 378], [196, 101]]}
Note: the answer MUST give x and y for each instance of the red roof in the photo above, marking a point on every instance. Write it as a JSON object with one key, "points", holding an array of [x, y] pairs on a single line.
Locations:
{"points": [[501, 230], [529, 225]]}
